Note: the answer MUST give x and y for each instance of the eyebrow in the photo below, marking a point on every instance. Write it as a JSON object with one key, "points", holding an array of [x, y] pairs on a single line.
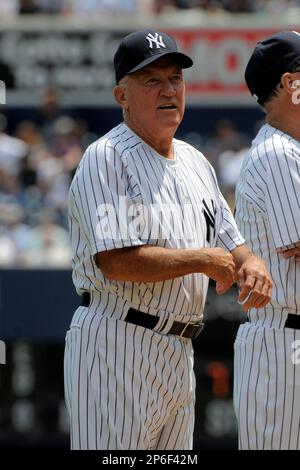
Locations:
{"points": [[145, 73]]}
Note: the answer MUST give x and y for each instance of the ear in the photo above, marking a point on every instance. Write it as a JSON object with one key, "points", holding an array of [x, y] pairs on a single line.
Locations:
{"points": [[288, 83], [120, 96]]}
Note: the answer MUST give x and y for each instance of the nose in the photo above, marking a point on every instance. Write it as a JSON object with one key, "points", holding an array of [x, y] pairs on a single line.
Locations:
{"points": [[168, 89]]}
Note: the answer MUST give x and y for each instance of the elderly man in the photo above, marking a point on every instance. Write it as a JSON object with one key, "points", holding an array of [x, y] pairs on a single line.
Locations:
{"points": [[149, 227]]}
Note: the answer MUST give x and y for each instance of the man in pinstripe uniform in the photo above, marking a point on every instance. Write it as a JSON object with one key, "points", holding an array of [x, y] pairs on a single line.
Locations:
{"points": [[267, 376], [148, 227]]}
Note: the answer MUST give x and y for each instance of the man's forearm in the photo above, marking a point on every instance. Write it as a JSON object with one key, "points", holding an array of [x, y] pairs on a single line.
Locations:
{"points": [[151, 263], [154, 264]]}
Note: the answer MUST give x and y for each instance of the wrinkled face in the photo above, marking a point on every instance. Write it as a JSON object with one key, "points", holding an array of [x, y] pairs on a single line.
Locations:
{"points": [[154, 97]]}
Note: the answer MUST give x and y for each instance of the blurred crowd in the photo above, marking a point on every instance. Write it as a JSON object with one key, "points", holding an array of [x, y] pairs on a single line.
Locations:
{"points": [[15, 7], [37, 162], [225, 148]]}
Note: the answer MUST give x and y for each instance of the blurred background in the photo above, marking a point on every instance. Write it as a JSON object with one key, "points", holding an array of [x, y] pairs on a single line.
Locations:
{"points": [[56, 63]]}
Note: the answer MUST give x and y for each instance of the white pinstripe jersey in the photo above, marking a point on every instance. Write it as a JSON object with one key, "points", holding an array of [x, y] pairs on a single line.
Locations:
{"points": [[268, 210], [121, 166]]}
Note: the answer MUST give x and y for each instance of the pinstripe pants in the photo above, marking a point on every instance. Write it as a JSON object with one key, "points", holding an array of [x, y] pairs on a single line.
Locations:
{"points": [[127, 387], [267, 387]]}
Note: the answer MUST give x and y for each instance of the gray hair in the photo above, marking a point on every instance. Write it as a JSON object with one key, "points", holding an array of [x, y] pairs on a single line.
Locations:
{"points": [[122, 83]]}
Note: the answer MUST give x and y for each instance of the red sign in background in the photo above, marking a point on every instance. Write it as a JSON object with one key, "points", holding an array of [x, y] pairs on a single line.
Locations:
{"points": [[220, 58]]}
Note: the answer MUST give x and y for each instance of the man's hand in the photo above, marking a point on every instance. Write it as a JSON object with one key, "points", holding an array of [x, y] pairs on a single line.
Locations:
{"points": [[221, 268], [255, 284], [291, 252]]}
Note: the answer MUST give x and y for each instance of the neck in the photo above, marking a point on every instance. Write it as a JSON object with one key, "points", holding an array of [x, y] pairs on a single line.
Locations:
{"points": [[161, 143], [277, 117]]}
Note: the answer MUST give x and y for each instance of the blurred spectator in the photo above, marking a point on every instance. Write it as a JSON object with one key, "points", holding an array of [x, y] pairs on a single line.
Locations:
{"points": [[277, 7], [48, 244], [28, 7], [240, 6], [53, 183], [64, 136], [34, 204], [10, 188], [12, 150], [49, 6], [56, 168], [229, 166], [28, 132], [6, 75], [65, 144], [48, 112], [8, 251], [13, 234], [161, 5], [83, 134], [226, 137], [9, 7], [226, 151], [210, 6]]}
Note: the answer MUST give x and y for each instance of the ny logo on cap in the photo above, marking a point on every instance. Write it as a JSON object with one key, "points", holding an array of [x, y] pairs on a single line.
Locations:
{"points": [[157, 40]]}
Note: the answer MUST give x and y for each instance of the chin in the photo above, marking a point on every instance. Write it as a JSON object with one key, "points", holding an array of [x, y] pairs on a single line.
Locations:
{"points": [[170, 122]]}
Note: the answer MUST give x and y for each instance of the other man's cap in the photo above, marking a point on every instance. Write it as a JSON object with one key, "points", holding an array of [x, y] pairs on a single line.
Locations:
{"points": [[270, 59], [141, 48]]}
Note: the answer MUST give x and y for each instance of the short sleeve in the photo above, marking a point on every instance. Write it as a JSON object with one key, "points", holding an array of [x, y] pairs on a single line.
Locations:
{"points": [[283, 195], [229, 236], [101, 201]]}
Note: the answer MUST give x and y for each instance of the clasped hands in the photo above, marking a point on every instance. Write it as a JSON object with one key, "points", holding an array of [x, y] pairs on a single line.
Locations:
{"points": [[247, 270]]}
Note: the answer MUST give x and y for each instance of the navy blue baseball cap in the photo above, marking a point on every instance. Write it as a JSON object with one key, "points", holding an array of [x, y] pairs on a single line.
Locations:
{"points": [[141, 48], [270, 59]]}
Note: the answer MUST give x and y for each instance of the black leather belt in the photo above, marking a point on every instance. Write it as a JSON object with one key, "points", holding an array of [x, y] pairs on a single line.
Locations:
{"points": [[292, 321], [184, 330]]}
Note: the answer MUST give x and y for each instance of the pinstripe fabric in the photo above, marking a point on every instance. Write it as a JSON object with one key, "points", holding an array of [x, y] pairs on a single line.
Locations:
{"points": [[267, 383], [127, 387]]}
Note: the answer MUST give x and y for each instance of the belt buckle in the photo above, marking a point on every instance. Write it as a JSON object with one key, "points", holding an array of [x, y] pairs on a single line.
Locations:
{"points": [[186, 326]]}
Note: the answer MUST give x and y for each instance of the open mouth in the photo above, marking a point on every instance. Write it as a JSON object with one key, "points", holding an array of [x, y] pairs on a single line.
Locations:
{"points": [[167, 106]]}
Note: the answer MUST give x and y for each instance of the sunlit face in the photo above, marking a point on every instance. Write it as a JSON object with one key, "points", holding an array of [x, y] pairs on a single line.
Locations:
{"points": [[155, 97]]}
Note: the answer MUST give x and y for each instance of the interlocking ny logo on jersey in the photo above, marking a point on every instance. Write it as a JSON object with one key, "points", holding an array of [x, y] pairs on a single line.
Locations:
{"points": [[157, 40], [210, 218]]}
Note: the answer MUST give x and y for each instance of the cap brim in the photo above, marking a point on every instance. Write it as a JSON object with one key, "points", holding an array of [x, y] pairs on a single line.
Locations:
{"points": [[183, 60]]}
